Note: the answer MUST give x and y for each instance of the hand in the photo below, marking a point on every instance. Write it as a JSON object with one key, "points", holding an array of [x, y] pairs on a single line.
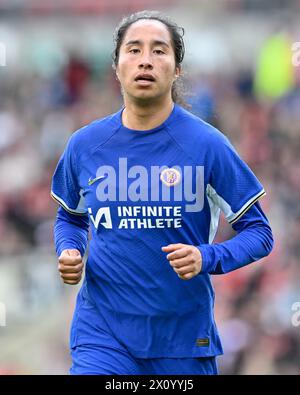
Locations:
{"points": [[185, 259], [70, 266]]}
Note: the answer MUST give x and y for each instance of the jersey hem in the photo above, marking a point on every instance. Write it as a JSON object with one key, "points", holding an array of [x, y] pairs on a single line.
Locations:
{"points": [[195, 353]]}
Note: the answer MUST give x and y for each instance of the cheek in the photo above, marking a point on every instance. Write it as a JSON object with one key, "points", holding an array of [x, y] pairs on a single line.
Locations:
{"points": [[123, 67], [169, 71], [122, 73]]}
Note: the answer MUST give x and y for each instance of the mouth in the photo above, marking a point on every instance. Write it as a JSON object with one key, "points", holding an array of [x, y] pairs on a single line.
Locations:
{"points": [[144, 79]]}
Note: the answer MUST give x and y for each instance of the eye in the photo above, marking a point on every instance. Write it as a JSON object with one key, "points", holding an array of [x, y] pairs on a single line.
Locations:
{"points": [[158, 51], [134, 50]]}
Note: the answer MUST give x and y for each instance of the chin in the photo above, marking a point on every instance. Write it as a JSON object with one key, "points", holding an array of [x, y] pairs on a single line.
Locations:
{"points": [[145, 97]]}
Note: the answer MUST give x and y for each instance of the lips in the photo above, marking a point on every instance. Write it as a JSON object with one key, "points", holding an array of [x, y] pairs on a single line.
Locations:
{"points": [[145, 77]]}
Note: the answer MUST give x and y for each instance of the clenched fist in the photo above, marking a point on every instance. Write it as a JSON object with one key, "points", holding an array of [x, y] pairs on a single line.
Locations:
{"points": [[70, 266], [185, 259]]}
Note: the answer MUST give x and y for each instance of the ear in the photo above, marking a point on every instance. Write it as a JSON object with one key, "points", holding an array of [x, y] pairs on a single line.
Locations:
{"points": [[177, 72]]}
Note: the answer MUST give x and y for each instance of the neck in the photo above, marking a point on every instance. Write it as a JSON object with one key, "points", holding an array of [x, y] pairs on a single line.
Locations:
{"points": [[147, 117]]}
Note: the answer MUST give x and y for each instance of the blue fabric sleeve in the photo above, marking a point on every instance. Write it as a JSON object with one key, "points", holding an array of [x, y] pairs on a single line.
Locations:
{"points": [[65, 188], [70, 231], [253, 241], [232, 186]]}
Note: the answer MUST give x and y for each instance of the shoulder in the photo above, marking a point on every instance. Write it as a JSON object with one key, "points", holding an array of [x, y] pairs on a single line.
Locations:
{"points": [[192, 132], [94, 134]]}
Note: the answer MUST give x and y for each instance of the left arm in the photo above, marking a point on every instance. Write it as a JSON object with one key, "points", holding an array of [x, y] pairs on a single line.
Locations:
{"points": [[233, 188], [253, 241]]}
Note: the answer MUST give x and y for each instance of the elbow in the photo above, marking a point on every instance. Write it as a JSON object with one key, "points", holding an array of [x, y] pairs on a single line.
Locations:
{"points": [[268, 240]]}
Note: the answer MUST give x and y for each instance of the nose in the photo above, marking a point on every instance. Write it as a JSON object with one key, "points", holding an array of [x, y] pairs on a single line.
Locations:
{"points": [[146, 62]]}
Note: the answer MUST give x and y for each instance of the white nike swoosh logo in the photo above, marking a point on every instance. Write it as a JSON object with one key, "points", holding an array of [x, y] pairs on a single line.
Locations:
{"points": [[92, 180]]}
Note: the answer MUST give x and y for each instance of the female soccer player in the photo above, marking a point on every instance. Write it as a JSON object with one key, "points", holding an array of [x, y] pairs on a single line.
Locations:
{"points": [[150, 181]]}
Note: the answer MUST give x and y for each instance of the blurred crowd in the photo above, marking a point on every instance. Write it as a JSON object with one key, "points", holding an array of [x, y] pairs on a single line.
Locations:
{"points": [[37, 116], [253, 305]]}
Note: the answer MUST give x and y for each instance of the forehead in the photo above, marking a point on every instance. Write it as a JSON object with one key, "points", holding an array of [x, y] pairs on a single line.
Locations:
{"points": [[147, 30]]}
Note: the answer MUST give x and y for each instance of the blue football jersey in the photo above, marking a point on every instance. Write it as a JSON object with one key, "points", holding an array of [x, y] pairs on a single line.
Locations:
{"points": [[143, 190]]}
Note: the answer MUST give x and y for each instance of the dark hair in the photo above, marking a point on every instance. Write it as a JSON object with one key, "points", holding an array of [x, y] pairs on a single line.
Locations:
{"points": [[176, 33]]}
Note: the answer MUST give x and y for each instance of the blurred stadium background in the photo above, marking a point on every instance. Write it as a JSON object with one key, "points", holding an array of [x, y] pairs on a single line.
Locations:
{"points": [[56, 76]]}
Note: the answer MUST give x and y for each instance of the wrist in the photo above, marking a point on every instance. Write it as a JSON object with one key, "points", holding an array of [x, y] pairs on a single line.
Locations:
{"points": [[66, 247], [207, 254]]}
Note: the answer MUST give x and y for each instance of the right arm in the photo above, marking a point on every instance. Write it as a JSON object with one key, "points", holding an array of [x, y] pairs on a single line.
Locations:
{"points": [[70, 238], [71, 226], [70, 231]]}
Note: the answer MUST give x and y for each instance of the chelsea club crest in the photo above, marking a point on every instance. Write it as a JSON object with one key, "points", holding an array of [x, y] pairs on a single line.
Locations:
{"points": [[170, 177]]}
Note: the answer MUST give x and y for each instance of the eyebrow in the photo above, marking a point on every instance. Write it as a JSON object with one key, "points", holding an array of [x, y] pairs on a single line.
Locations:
{"points": [[154, 42]]}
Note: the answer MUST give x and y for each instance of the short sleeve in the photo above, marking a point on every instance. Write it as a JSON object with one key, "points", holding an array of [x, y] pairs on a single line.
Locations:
{"points": [[65, 188], [233, 186]]}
